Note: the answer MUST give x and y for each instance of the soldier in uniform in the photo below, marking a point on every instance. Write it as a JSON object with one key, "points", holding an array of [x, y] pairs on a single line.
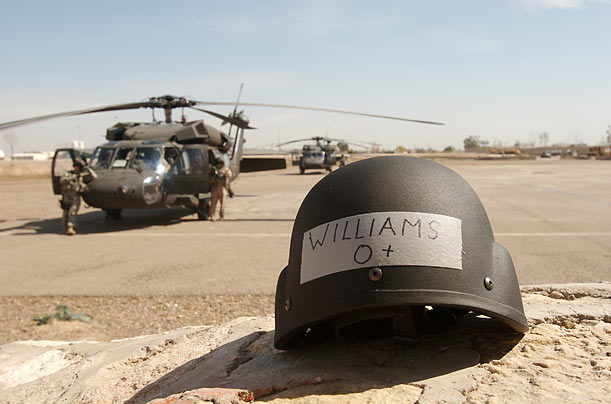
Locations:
{"points": [[72, 186], [219, 179]]}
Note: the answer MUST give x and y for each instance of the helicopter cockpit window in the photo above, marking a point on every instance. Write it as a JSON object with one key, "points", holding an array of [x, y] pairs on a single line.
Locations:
{"points": [[123, 156], [170, 155], [101, 158], [178, 166], [197, 161], [185, 164], [150, 158], [308, 153], [211, 156]]}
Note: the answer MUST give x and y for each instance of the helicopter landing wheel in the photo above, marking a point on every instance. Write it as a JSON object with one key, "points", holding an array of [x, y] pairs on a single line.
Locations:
{"points": [[329, 169], [203, 209], [113, 214]]}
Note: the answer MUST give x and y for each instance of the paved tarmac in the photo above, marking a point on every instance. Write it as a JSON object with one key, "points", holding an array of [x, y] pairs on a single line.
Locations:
{"points": [[554, 217]]}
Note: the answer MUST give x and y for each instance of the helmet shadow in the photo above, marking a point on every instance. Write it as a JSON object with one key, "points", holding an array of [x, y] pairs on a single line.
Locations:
{"points": [[332, 366]]}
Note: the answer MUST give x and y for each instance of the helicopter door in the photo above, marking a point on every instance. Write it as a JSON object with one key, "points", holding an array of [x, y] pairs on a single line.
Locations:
{"points": [[63, 160], [189, 174]]}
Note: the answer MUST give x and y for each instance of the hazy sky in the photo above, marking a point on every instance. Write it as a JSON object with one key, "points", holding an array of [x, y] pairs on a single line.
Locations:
{"points": [[504, 70]]}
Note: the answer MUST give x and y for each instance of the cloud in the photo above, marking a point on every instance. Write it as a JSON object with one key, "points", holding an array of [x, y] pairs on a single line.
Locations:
{"points": [[546, 4]]}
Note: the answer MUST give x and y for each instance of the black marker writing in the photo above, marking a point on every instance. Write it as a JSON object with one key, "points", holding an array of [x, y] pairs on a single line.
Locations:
{"points": [[418, 223], [389, 227], [371, 229], [431, 227], [318, 242], [344, 235], [388, 251], [358, 224], [335, 231], [361, 257]]}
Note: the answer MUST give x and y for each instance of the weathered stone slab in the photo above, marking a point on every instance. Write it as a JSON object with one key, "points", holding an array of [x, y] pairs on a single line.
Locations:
{"points": [[565, 357]]}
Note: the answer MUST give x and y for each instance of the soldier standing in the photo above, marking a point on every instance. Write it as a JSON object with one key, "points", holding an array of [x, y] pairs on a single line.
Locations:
{"points": [[342, 160], [72, 186], [219, 178]]}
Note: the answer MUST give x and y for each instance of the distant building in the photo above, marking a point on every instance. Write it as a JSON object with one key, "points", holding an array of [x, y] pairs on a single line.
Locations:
{"points": [[78, 144], [2, 155], [74, 144], [30, 156]]}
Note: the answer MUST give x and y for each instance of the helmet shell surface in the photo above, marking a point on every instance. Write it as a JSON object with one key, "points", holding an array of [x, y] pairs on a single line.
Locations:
{"points": [[388, 233]]}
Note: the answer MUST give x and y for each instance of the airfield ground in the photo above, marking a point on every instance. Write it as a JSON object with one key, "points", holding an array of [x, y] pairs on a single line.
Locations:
{"points": [[158, 270]]}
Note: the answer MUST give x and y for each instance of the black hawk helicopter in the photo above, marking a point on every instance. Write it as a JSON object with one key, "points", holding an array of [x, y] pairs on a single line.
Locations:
{"points": [[320, 155], [162, 164]]}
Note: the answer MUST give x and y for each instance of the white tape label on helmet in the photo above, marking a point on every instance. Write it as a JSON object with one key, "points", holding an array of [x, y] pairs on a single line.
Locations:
{"points": [[381, 239]]}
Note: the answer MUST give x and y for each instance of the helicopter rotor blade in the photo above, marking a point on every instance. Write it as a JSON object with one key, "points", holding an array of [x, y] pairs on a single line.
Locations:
{"points": [[358, 141], [116, 107], [339, 111], [296, 141], [359, 145], [364, 145], [168, 102], [224, 118]]}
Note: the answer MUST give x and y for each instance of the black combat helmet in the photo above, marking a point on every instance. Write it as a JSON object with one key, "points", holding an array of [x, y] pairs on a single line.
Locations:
{"points": [[392, 241]]}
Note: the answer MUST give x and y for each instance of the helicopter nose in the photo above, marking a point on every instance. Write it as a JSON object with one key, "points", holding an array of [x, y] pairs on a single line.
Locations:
{"points": [[152, 189]]}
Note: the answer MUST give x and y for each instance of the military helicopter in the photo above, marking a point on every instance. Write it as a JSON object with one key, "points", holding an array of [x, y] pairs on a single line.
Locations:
{"points": [[319, 155], [162, 164], [152, 165]]}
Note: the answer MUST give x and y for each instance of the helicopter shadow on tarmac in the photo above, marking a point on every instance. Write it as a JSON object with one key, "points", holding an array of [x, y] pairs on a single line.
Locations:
{"points": [[97, 222]]}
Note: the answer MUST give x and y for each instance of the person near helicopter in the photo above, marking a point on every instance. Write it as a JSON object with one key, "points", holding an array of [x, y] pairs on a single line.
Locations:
{"points": [[72, 185], [219, 179], [226, 160]]}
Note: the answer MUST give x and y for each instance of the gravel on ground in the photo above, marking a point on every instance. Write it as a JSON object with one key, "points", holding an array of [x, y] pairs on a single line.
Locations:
{"points": [[115, 317]]}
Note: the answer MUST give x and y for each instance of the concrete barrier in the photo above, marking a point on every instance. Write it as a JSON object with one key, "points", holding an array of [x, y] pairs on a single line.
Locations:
{"points": [[252, 163]]}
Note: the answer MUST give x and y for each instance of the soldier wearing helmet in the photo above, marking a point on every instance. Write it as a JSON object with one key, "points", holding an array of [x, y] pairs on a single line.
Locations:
{"points": [[72, 185], [219, 179]]}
